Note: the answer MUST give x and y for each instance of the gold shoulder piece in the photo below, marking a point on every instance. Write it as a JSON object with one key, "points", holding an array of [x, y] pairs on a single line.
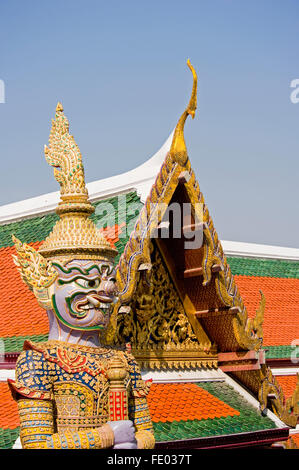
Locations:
{"points": [[178, 150], [64, 155], [35, 270]]}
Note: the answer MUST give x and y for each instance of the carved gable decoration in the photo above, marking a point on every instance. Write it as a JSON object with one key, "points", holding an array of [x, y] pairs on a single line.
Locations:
{"points": [[156, 325], [202, 276]]}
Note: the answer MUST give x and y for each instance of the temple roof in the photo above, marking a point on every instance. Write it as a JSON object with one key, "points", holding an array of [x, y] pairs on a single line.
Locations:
{"points": [[277, 278], [226, 411], [182, 411], [226, 301]]}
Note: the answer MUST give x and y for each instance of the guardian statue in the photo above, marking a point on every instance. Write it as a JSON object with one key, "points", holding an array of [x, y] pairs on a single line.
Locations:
{"points": [[76, 390]]}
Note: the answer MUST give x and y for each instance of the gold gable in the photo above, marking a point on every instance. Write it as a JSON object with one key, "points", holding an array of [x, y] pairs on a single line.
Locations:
{"points": [[157, 326]]}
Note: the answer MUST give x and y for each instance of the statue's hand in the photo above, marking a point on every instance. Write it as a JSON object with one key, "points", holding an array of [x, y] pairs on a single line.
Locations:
{"points": [[124, 434]]}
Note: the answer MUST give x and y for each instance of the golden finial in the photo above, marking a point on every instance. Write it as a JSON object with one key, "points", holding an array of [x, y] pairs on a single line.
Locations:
{"points": [[178, 150], [64, 155], [74, 234], [59, 107]]}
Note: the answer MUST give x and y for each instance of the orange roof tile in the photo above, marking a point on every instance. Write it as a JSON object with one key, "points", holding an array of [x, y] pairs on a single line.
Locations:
{"points": [[20, 314], [9, 418], [185, 401], [112, 233], [288, 384], [281, 320]]}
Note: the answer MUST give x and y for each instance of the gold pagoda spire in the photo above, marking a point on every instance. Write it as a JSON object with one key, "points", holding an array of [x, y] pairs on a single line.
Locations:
{"points": [[64, 155], [178, 149], [75, 234]]}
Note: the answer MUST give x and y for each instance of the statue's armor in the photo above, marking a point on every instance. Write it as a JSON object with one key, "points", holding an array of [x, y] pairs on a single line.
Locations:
{"points": [[73, 379]]}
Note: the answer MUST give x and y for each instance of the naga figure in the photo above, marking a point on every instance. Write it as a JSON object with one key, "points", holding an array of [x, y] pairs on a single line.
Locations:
{"points": [[74, 391]]}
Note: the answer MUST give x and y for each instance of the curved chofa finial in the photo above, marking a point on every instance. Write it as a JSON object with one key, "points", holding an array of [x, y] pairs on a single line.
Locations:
{"points": [[178, 150]]}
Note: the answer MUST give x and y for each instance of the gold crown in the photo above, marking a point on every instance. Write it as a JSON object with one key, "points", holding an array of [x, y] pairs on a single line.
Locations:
{"points": [[74, 234]]}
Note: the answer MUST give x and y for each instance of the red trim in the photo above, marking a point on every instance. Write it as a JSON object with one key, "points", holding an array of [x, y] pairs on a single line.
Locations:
{"points": [[241, 360], [249, 439], [10, 360], [63, 360], [237, 356], [118, 405], [17, 389], [7, 365], [237, 367], [281, 362]]}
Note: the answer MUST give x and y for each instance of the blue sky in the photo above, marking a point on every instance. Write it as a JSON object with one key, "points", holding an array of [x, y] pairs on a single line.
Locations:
{"points": [[119, 69]]}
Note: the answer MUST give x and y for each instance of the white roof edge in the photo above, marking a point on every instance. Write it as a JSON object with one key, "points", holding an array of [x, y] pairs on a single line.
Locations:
{"points": [[285, 371], [294, 431], [139, 179], [7, 374], [254, 250], [182, 376]]}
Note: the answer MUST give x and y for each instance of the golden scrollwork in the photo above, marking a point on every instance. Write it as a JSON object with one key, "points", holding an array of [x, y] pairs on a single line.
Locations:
{"points": [[263, 384], [64, 155], [286, 409], [157, 315], [157, 326], [34, 269]]}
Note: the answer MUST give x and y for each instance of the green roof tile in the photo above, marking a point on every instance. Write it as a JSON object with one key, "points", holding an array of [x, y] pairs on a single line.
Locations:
{"points": [[30, 230], [278, 352], [15, 343], [264, 267], [249, 419], [8, 437]]}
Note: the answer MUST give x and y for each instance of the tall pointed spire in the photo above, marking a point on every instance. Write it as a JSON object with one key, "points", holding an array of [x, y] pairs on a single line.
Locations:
{"points": [[64, 155], [178, 150], [75, 234]]}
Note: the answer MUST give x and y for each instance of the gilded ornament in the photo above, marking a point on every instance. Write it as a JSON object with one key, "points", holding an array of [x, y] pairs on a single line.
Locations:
{"points": [[35, 270], [178, 151], [157, 326]]}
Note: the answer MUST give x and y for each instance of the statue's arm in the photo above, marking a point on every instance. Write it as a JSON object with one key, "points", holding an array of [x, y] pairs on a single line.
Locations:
{"points": [[143, 424], [37, 429], [138, 408]]}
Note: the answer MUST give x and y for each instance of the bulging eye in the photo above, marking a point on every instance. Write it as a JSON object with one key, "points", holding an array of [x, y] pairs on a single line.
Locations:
{"points": [[88, 283]]}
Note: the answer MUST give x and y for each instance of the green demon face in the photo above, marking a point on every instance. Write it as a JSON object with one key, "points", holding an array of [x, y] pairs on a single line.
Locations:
{"points": [[84, 293]]}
